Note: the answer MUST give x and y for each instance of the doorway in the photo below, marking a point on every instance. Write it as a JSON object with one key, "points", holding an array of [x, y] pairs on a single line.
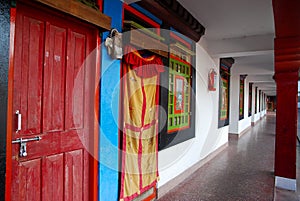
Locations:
{"points": [[53, 106]]}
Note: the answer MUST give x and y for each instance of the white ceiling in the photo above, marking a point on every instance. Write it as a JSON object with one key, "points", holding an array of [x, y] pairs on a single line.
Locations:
{"points": [[242, 29], [232, 18]]}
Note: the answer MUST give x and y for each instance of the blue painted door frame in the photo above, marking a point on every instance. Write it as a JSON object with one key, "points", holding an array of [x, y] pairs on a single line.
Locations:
{"points": [[109, 111]]}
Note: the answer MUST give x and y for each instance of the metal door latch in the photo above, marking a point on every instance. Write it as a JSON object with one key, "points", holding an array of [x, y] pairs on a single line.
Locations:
{"points": [[19, 121], [23, 148]]}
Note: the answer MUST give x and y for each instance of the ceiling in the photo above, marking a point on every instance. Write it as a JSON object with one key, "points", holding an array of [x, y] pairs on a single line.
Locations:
{"points": [[242, 29]]}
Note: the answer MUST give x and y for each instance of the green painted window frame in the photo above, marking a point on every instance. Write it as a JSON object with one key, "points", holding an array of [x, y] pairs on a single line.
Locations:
{"points": [[242, 97], [250, 100], [224, 91], [179, 119]]}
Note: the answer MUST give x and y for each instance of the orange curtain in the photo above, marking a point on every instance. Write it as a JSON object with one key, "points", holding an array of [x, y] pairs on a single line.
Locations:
{"points": [[140, 124]]}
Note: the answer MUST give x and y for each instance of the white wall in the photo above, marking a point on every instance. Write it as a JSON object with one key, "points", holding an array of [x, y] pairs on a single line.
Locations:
{"points": [[208, 137], [176, 159], [244, 124], [255, 113], [257, 116], [234, 102], [237, 126]]}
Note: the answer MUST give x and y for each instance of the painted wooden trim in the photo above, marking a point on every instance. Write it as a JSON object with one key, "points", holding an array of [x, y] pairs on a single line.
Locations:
{"points": [[242, 97], [148, 43], [182, 48], [134, 25], [225, 66], [10, 106], [108, 121], [100, 4], [141, 16], [95, 160], [174, 14], [80, 11], [180, 39], [250, 94], [146, 12], [179, 59]]}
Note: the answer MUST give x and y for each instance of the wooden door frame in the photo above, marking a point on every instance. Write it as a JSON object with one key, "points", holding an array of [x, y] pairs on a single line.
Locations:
{"points": [[8, 179], [94, 170]]}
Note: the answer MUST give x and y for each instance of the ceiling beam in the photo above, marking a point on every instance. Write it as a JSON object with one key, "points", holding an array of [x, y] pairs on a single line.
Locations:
{"points": [[238, 47], [175, 15]]}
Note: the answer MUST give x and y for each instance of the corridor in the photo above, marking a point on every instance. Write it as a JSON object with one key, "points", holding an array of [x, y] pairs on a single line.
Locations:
{"points": [[243, 171]]}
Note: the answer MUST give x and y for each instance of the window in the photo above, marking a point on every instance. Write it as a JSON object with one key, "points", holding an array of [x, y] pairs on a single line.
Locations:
{"points": [[250, 100], [255, 100], [259, 100], [180, 100], [179, 95], [242, 96], [177, 83], [225, 65]]}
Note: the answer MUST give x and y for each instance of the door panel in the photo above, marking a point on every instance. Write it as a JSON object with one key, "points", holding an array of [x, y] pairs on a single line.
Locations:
{"points": [[53, 170], [30, 183], [75, 90], [54, 78], [30, 74], [54, 91], [73, 175]]}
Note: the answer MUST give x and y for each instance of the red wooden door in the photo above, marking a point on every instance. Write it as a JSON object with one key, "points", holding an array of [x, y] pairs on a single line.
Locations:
{"points": [[54, 91]]}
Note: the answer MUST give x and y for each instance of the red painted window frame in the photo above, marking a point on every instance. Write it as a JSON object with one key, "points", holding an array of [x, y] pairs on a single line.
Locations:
{"points": [[142, 17]]}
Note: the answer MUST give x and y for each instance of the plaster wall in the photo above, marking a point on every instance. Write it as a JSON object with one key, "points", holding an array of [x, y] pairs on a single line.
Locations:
{"points": [[245, 123], [237, 126], [176, 159], [234, 102]]}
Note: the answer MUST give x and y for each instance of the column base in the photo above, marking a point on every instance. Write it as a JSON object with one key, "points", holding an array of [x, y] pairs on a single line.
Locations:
{"points": [[286, 183]]}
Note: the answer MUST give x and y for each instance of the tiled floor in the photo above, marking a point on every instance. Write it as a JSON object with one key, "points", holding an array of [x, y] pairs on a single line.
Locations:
{"points": [[243, 171]]}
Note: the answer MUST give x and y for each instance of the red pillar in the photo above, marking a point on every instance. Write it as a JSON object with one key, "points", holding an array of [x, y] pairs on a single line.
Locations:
{"points": [[287, 63], [286, 124]]}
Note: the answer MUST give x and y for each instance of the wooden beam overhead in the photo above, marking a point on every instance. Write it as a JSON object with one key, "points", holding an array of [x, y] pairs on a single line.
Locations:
{"points": [[80, 11], [175, 15]]}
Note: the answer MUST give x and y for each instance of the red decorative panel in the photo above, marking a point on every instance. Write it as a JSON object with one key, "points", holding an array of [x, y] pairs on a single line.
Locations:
{"points": [[30, 73], [30, 180], [75, 80], [74, 176], [179, 95], [86, 176], [52, 178], [54, 78]]}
